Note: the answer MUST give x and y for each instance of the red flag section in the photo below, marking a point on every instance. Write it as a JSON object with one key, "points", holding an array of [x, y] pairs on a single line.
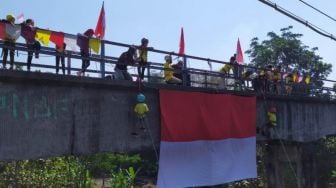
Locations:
{"points": [[206, 139], [100, 27], [190, 116], [57, 38], [239, 57], [181, 49], [2, 30]]}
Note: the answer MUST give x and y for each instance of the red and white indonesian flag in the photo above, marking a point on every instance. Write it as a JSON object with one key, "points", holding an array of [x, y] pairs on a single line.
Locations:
{"points": [[206, 139]]}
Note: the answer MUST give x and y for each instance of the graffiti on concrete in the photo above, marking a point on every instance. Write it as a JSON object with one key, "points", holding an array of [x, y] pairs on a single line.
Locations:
{"points": [[28, 107]]}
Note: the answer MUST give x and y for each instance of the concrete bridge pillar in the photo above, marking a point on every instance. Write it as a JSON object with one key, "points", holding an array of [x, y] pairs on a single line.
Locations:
{"points": [[290, 165]]}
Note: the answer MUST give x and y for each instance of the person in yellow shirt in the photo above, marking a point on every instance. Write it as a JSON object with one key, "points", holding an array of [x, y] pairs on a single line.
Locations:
{"points": [[168, 72], [226, 69], [141, 109], [143, 57]]}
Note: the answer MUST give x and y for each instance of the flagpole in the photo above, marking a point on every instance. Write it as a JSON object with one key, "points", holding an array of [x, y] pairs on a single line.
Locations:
{"points": [[102, 52]]}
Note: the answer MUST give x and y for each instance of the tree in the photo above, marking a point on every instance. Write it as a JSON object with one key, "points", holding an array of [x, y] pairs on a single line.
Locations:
{"points": [[288, 51]]}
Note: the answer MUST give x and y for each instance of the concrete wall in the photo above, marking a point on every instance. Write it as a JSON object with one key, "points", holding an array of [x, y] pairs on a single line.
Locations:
{"points": [[44, 115]]}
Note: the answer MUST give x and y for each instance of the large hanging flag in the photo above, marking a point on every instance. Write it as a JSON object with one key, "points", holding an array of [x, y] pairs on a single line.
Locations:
{"points": [[70, 41], [2, 30], [181, 49], [100, 27], [239, 56], [57, 38], [206, 139], [94, 44], [43, 36]]}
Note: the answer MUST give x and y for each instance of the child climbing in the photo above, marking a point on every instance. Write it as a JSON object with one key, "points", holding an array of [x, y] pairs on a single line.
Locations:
{"points": [[141, 109]]}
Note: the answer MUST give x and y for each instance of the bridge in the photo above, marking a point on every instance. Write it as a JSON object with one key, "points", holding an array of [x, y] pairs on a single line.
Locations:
{"points": [[44, 114]]}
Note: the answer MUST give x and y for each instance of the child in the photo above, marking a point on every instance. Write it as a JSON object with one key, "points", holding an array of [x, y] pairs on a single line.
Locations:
{"points": [[141, 109]]}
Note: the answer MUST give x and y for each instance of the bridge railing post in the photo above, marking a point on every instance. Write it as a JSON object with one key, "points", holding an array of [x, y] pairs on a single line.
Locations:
{"points": [[102, 61], [69, 63], [184, 72]]}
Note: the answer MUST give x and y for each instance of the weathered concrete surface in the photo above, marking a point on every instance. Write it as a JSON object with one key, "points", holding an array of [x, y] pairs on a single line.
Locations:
{"points": [[44, 115], [299, 119], [291, 165]]}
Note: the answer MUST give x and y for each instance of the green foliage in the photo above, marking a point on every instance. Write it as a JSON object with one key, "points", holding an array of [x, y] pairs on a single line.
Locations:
{"points": [[123, 178], [104, 164], [75, 171], [55, 172], [288, 51]]}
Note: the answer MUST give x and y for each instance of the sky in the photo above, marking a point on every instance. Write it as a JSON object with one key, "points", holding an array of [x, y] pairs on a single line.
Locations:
{"points": [[211, 27]]}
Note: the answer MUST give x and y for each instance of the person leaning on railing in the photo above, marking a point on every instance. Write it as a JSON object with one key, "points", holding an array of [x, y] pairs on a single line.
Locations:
{"points": [[83, 42], [168, 71], [10, 42], [225, 70], [143, 57], [276, 77], [28, 32], [126, 58], [289, 83]]}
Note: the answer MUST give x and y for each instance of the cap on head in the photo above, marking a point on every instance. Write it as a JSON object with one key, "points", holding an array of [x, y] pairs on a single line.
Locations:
{"points": [[10, 17], [141, 97]]}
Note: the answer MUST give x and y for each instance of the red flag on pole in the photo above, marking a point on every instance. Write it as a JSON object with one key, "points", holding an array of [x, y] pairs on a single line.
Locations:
{"points": [[100, 27], [181, 50], [239, 56]]}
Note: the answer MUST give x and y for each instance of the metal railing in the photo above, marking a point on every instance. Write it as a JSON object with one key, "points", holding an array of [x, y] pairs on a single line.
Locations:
{"points": [[192, 76]]}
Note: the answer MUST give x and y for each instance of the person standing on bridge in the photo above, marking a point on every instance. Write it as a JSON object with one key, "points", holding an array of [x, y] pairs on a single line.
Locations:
{"points": [[9, 41], [28, 32], [143, 51], [126, 58], [60, 51], [83, 43]]}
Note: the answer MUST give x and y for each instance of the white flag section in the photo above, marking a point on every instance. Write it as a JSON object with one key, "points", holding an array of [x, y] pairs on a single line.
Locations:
{"points": [[213, 142], [201, 163], [70, 41]]}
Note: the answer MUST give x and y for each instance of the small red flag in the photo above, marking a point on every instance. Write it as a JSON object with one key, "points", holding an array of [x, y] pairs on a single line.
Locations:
{"points": [[239, 56], [181, 50], [57, 38], [100, 27]]}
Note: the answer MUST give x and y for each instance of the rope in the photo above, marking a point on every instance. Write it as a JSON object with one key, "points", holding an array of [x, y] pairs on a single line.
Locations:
{"points": [[154, 148], [152, 139], [283, 148], [287, 156]]}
